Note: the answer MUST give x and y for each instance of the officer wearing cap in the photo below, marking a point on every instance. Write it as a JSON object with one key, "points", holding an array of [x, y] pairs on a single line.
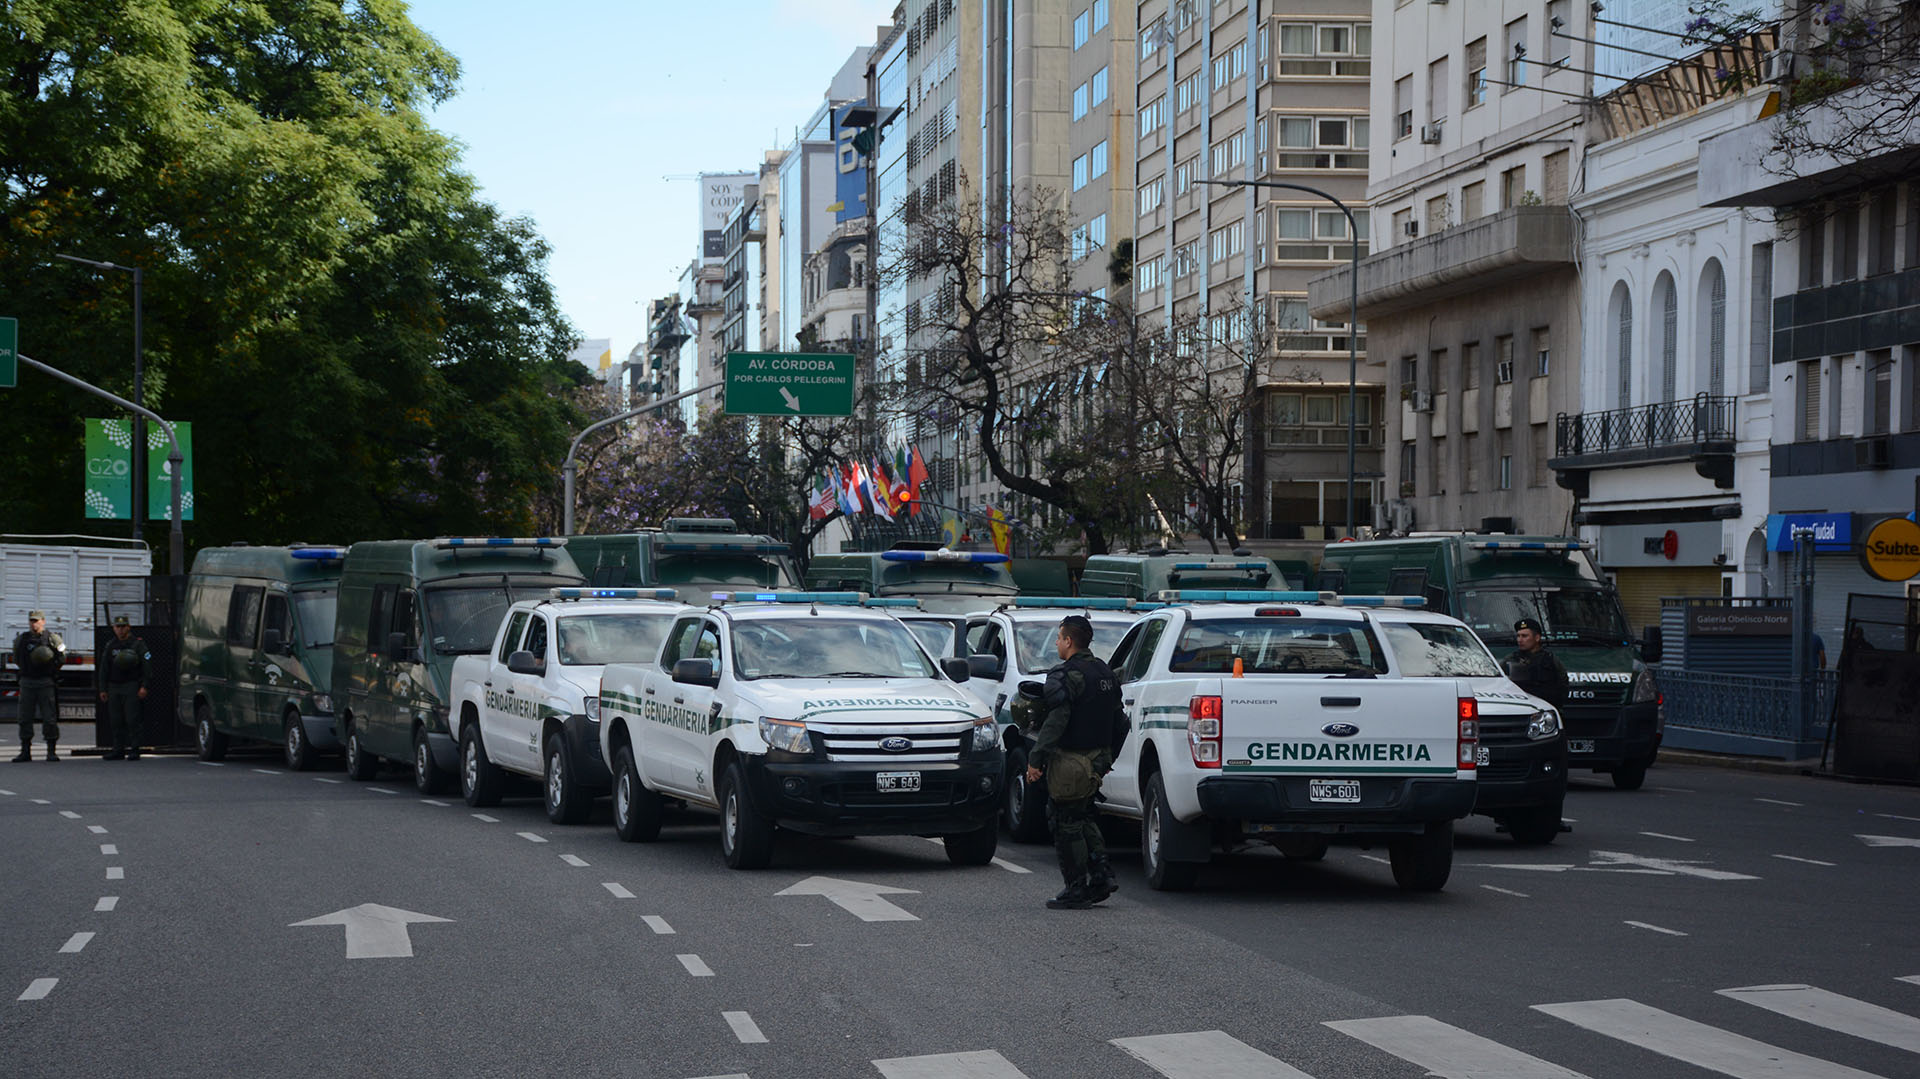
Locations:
{"points": [[1533, 667], [38, 654], [1083, 730], [121, 678]]}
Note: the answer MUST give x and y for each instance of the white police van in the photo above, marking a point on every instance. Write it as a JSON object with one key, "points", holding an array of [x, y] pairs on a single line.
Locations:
{"points": [[802, 711]]}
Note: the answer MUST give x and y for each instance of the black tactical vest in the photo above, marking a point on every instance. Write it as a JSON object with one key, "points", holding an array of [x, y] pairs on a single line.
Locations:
{"points": [[1091, 715]]}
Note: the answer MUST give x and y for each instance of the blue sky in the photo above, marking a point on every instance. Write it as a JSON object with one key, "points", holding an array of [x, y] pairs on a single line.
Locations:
{"points": [[573, 111]]}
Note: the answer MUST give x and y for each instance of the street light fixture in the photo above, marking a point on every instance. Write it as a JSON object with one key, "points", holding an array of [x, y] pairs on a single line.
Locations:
{"points": [[1353, 318], [139, 447]]}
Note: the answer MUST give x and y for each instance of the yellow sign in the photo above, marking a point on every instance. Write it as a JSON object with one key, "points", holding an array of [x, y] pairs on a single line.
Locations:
{"points": [[1891, 550]]}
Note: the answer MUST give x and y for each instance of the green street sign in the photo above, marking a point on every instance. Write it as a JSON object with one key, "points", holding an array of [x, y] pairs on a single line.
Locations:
{"points": [[789, 384], [9, 349]]}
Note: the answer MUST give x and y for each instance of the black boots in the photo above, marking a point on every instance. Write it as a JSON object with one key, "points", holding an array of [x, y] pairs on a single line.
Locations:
{"points": [[26, 754], [1073, 897], [51, 755], [1100, 880]]}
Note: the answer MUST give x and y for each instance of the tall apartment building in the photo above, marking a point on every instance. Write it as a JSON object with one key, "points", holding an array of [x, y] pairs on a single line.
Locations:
{"points": [[823, 224], [1224, 91]]}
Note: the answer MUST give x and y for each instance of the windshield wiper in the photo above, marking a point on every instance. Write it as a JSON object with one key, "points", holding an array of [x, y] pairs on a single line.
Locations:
{"points": [[852, 674]]}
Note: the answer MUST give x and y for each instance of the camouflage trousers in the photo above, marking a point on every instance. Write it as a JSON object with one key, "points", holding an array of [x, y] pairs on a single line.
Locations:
{"points": [[1073, 782]]}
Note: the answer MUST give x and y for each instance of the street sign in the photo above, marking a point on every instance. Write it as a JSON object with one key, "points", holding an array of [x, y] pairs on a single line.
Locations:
{"points": [[9, 348], [789, 384]]}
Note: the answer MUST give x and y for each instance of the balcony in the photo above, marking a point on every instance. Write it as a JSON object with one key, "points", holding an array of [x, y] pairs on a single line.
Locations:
{"points": [[1514, 244], [1700, 431]]}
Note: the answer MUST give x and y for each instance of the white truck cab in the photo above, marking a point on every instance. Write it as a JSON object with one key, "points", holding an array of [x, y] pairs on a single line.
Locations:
{"points": [[530, 705], [804, 711]]}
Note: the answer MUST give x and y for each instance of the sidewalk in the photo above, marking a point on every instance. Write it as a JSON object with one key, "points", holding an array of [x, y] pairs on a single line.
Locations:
{"points": [[1774, 765]]}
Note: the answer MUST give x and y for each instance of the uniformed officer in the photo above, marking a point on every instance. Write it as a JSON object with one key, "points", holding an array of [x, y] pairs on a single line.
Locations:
{"points": [[38, 654], [121, 677], [1074, 748], [1533, 667]]}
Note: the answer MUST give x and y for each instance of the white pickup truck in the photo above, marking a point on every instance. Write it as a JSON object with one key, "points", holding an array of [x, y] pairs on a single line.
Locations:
{"points": [[530, 705], [803, 711], [1271, 716]]}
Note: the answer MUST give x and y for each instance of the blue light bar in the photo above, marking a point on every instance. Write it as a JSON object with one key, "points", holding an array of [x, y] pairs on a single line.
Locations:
{"points": [[1217, 595], [1179, 567], [943, 555], [892, 601], [789, 597], [1382, 601], [736, 546], [1085, 603], [614, 593], [446, 542], [320, 554], [1526, 545]]}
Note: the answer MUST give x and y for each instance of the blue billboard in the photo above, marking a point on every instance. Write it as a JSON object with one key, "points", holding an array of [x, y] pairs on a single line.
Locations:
{"points": [[850, 169], [1832, 532]]}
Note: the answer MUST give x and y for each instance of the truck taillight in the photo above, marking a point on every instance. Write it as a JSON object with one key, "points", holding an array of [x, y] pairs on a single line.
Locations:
{"points": [[1469, 740], [1203, 731]]}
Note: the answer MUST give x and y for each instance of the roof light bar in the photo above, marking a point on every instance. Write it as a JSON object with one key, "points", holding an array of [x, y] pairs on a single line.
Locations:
{"points": [[614, 593], [1180, 567], [446, 542], [320, 554], [943, 555], [892, 601], [1220, 595], [1085, 603], [1382, 601], [1527, 545], [738, 546], [790, 597]]}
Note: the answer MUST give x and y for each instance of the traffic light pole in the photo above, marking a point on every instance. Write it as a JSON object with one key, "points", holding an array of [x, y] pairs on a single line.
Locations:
{"points": [[569, 467]]}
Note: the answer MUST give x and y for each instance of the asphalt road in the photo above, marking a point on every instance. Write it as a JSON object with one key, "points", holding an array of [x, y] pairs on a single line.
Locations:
{"points": [[151, 908]]}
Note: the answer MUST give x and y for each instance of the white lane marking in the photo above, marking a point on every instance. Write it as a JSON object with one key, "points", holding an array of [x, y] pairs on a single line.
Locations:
{"points": [[484, 817], [1610, 858], [1794, 858], [431, 802], [695, 966], [734, 1075], [985, 1064], [109, 848], [374, 931], [41, 802], [380, 790], [96, 829], [1675, 790], [107, 902], [212, 764], [531, 837], [39, 989], [657, 924], [574, 860], [1695, 1043], [1446, 1050], [1896, 816], [619, 890], [1663, 835], [858, 898], [76, 942], [1834, 1012], [1506, 891], [743, 1026], [324, 779], [1656, 928], [7, 793], [1206, 1054], [1376, 858], [1910, 979], [115, 872], [1888, 840], [270, 771], [1011, 867], [1781, 802], [1541, 867], [69, 814]]}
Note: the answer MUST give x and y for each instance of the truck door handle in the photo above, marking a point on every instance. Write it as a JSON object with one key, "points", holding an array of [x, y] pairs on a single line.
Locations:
{"points": [[1128, 701], [649, 692], [679, 700], [1339, 702], [487, 684], [512, 693]]}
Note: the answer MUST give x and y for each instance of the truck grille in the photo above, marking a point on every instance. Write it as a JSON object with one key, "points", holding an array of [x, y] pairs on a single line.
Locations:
{"points": [[860, 745], [1504, 730]]}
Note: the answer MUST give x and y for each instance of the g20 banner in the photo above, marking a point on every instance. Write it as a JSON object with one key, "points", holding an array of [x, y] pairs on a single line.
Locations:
{"points": [[109, 489]]}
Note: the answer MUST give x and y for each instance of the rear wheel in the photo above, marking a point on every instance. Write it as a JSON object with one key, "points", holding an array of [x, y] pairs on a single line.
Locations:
{"points": [[361, 765], [567, 803], [428, 779], [480, 779], [211, 743], [637, 811], [975, 847], [746, 837], [1536, 826], [1026, 803], [1162, 875], [1422, 863], [1630, 775]]}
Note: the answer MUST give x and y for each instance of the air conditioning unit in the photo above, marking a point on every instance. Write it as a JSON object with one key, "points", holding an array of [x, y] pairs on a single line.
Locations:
{"points": [[1430, 133], [1776, 66], [1422, 401], [1412, 228], [1872, 452]]}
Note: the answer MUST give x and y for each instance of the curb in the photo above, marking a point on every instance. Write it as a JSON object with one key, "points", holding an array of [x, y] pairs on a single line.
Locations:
{"points": [[1807, 767]]}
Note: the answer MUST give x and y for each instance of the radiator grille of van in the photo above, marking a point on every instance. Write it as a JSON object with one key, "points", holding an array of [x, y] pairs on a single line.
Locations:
{"points": [[865, 747]]}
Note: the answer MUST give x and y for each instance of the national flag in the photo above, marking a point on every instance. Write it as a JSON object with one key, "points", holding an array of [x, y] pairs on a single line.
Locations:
{"points": [[876, 489], [1002, 531], [916, 475], [820, 502], [850, 502], [903, 492]]}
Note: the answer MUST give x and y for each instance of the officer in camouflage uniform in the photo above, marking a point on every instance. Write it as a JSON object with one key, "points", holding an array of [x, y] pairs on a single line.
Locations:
{"points": [[1083, 729], [1533, 667], [121, 677], [37, 655]]}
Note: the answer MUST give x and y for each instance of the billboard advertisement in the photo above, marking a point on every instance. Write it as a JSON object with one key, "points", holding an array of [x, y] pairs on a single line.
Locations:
{"points": [[720, 192], [109, 488], [850, 170]]}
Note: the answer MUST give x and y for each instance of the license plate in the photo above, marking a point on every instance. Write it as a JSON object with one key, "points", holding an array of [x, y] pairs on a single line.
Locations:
{"points": [[76, 711], [896, 781], [1579, 745], [1482, 755], [1333, 790]]}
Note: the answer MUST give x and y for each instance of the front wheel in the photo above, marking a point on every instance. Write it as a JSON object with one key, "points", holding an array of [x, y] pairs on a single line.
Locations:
{"points": [[746, 837], [428, 779], [637, 811], [361, 765], [1026, 803], [480, 779], [1536, 826], [975, 847], [566, 802], [1162, 875], [1631, 774], [212, 745], [299, 751], [1422, 863]]}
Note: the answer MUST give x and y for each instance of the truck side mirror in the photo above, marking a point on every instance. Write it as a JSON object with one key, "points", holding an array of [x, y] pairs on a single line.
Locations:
{"points": [[271, 642], [958, 669], [525, 662], [1652, 646], [399, 651], [985, 666], [696, 672]]}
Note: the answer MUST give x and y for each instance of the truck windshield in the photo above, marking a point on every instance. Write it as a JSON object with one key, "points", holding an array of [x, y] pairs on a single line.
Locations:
{"points": [[1436, 650], [705, 571], [1574, 615], [939, 635], [462, 619], [827, 647], [314, 610], [1033, 641], [1275, 645], [628, 637]]}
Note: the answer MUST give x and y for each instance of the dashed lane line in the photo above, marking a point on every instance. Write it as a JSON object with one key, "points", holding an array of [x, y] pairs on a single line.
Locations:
{"points": [[324, 779], [96, 829], [109, 848], [106, 903], [484, 817], [744, 1027], [76, 942], [574, 860], [1376, 858], [1657, 928], [381, 790], [1896, 816], [1910, 979], [1506, 891], [39, 989], [212, 764], [695, 966], [270, 771], [41, 802], [657, 924], [1010, 867], [431, 802], [619, 891], [1663, 835], [7, 793], [69, 814], [1781, 802], [115, 872], [1675, 790], [1809, 861], [532, 837]]}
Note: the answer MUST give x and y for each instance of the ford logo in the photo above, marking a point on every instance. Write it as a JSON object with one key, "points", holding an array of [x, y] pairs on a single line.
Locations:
{"points": [[1339, 730], [896, 744]]}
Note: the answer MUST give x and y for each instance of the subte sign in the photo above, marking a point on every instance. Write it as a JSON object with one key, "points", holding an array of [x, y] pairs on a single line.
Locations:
{"points": [[1891, 550], [789, 384]]}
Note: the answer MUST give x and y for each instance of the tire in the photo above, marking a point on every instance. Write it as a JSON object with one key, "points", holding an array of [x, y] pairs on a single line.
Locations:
{"points": [[481, 781], [567, 802], [975, 847], [1024, 804], [637, 811], [1422, 863], [428, 779], [211, 743], [293, 742], [1630, 775], [746, 837], [1162, 875], [361, 765], [1534, 827]]}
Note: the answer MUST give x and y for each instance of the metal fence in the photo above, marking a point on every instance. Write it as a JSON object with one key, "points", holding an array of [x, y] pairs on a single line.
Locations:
{"points": [[1703, 419], [1746, 713]]}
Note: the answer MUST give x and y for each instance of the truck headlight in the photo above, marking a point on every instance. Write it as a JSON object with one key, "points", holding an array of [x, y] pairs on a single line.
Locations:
{"points": [[786, 735], [1544, 725], [986, 733], [1645, 689], [592, 709], [323, 703]]}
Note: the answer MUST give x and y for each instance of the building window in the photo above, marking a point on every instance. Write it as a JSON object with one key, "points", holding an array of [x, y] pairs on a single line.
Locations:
{"points": [[1409, 376], [1513, 186], [1542, 352], [1097, 91], [1476, 72], [1504, 445], [1152, 194], [1516, 54], [1470, 445], [1146, 275], [1309, 142], [1846, 242], [1437, 90], [1224, 243], [1229, 66], [1439, 212], [1403, 106], [1186, 93], [1097, 232], [1470, 365], [1881, 236], [1080, 102], [1538, 478], [1666, 303], [1503, 359], [1184, 264], [1183, 176], [1079, 172], [1409, 462], [1812, 229], [1228, 154], [1554, 177], [1806, 426], [1152, 115], [1473, 198], [1759, 317], [1880, 391], [1099, 15], [1622, 304], [1150, 38], [1082, 29], [1097, 166], [1437, 370], [1715, 331]]}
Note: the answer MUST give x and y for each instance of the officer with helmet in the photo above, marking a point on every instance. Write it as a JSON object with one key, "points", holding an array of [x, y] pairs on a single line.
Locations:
{"points": [[121, 678], [38, 654]]}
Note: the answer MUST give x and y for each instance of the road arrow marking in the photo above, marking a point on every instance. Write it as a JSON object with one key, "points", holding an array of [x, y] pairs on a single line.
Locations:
{"points": [[1888, 841], [856, 898], [1668, 865], [374, 931], [792, 401], [1657, 929]]}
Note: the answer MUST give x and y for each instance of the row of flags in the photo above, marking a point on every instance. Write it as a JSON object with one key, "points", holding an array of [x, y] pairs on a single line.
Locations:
{"points": [[883, 485]]}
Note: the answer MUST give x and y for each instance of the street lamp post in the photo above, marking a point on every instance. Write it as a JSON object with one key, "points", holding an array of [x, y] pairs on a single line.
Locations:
{"points": [[1353, 317], [139, 447], [568, 467]]}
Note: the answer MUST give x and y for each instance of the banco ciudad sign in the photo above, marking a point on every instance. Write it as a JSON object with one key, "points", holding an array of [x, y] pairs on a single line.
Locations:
{"points": [[1891, 550], [789, 384]]}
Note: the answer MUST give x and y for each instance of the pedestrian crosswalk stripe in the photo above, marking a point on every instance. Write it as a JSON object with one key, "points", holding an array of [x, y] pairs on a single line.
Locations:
{"points": [[744, 1028], [1834, 1012], [981, 1065], [1208, 1054], [1448, 1051], [1695, 1043]]}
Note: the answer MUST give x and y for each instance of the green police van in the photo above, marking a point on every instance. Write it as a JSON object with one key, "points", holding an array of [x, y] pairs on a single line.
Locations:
{"points": [[944, 581], [694, 556], [407, 608], [1612, 715], [256, 648], [1141, 575]]}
